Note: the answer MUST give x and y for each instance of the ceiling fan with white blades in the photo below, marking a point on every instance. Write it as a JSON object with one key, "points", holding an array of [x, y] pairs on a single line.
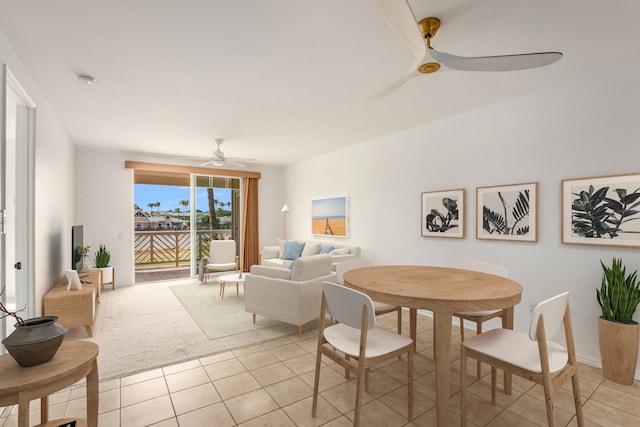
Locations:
{"points": [[218, 158], [417, 36]]}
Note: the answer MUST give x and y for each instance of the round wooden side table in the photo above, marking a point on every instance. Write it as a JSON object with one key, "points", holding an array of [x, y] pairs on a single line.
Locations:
{"points": [[73, 361], [231, 278]]}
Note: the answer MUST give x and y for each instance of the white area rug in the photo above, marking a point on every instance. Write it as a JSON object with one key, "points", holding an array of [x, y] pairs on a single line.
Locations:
{"points": [[143, 327], [215, 316]]}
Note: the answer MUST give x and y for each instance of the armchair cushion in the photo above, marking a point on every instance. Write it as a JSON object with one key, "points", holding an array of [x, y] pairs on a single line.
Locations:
{"points": [[222, 256]]}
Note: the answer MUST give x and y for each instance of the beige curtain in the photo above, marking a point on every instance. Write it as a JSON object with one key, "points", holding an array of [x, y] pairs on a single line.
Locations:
{"points": [[250, 235]]}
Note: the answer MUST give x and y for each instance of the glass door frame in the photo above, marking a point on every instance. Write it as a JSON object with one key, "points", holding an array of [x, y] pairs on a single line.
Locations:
{"points": [[236, 223]]}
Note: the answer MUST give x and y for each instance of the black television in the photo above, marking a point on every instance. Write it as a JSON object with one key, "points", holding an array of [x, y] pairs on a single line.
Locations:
{"points": [[76, 240]]}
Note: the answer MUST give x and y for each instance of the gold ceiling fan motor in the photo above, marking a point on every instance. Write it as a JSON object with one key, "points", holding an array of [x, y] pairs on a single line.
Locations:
{"points": [[429, 27]]}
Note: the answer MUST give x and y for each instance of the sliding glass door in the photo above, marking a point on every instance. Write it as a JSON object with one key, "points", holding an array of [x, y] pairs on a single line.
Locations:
{"points": [[215, 214]]}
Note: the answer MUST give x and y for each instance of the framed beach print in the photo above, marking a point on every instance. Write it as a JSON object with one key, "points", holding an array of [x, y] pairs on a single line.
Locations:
{"points": [[507, 212], [601, 210], [329, 216], [442, 213]]}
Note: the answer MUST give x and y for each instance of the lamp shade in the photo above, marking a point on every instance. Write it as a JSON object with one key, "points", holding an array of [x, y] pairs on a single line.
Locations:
{"points": [[285, 209]]}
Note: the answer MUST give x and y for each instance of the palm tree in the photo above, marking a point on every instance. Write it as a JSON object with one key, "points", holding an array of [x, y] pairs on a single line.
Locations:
{"points": [[151, 206], [157, 207], [212, 209], [183, 203]]}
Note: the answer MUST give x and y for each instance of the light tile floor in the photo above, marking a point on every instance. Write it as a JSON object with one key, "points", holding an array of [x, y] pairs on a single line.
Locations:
{"points": [[271, 385]]}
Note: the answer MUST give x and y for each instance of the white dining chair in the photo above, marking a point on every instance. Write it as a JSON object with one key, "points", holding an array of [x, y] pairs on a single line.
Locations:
{"points": [[479, 317], [532, 356], [379, 307], [355, 342]]}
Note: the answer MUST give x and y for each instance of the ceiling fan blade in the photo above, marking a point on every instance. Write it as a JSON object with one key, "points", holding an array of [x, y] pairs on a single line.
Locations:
{"points": [[516, 62], [401, 20], [389, 89], [240, 161]]}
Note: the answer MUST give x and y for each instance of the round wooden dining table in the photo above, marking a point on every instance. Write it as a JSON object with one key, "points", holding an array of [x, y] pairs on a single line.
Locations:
{"points": [[443, 291]]}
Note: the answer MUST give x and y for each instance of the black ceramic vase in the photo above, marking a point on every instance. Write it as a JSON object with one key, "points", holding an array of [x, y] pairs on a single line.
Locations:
{"points": [[36, 341]]}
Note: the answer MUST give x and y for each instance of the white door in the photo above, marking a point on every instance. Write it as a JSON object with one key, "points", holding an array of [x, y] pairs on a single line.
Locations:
{"points": [[16, 203]]}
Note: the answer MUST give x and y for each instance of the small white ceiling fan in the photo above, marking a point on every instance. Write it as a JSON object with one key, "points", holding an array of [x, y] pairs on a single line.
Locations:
{"points": [[218, 158], [417, 36]]}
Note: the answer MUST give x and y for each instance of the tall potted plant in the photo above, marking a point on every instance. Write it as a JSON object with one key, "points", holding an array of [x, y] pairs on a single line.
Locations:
{"points": [[618, 296], [101, 260]]}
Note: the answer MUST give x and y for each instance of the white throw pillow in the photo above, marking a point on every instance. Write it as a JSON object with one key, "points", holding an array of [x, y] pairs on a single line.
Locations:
{"points": [[311, 249], [340, 251], [281, 244]]}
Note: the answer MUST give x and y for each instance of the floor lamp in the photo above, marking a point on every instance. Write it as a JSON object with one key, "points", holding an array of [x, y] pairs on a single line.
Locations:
{"points": [[285, 212]]}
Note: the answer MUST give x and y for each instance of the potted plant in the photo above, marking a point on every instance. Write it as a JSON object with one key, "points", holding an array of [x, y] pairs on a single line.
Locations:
{"points": [[101, 260], [618, 296], [81, 254]]}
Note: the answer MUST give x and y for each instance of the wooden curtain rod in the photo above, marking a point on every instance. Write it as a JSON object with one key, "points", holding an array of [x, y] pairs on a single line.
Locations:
{"points": [[159, 167]]}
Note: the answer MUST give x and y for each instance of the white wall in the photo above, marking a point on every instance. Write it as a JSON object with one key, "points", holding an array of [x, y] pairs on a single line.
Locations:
{"points": [[104, 205], [53, 182], [588, 127]]}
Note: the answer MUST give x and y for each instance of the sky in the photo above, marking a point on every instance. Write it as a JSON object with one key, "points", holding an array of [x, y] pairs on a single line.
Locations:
{"points": [[335, 207], [169, 196]]}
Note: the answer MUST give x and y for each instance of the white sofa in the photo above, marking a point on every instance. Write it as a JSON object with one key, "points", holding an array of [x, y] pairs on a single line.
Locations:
{"points": [[273, 256], [289, 295]]}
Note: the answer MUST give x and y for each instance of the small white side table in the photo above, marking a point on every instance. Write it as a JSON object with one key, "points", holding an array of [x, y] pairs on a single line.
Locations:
{"points": [[236, 278]]}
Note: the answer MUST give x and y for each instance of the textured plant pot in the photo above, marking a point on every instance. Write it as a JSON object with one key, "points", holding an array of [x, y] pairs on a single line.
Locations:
{"points": [[36, 342], [618, 350]]}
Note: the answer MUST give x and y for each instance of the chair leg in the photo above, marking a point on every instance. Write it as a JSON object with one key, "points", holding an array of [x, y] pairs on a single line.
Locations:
{"points": [[347, 371], [410, 384], [359, 387], [494, 384], [299, 331], [399, 320], [551, 413], [254, 318], [576, 399], [463, 386], [316, 383], [478, 363]]}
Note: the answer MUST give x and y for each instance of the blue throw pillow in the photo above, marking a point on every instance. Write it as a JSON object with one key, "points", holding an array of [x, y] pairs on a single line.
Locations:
{"points": [[292, 250], [326, 249]]}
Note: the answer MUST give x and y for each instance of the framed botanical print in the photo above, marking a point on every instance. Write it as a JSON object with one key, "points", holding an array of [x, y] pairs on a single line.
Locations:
{"points": [[442, 214], [507, 212], [602, 210]]}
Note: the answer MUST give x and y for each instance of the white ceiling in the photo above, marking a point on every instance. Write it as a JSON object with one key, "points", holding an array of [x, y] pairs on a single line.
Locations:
{"points": [[280, 79]]}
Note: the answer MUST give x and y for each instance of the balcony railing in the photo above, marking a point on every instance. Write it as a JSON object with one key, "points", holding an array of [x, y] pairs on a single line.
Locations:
{"points": [[173, 248]]}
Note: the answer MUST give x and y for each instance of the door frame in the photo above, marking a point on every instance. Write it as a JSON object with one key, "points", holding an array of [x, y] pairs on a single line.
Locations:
{"points": [[25, 189]]}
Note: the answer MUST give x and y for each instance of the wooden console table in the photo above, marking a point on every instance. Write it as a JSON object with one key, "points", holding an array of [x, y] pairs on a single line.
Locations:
{"points": [[75, 308], [73, 361]]}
